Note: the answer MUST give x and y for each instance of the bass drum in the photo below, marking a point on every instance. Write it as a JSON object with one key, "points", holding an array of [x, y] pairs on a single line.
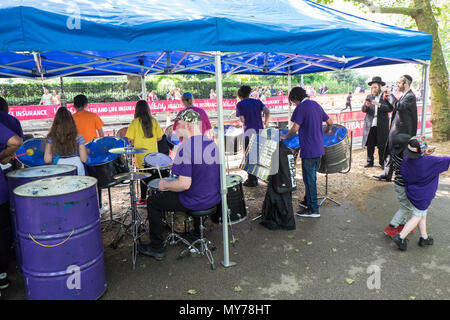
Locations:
{"points": [[104, 165], [235, 202]]}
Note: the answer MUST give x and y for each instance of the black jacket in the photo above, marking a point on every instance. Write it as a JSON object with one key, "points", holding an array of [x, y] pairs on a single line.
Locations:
{"points": [[404, 118], [382, 121]]}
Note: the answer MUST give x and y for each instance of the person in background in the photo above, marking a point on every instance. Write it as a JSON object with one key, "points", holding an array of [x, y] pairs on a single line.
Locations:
{"points": [[187, 99], [177, 94], [273, 91], [212, 94], [420, 171], [144, 132], [324, 89], [307, 120], [46, 98], [169, 95], [9, 144], [65, 145], [376, 122], [152, 96], [249, 111], [88, 123], [348, 102], [55, 98]]}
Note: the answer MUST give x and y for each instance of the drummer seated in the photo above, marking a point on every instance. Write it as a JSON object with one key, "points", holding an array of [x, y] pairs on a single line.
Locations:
{"points": [[197, 187]]}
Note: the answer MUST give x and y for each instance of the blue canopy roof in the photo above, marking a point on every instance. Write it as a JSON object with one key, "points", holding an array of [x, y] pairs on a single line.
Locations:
{"points": [[52, 38]]}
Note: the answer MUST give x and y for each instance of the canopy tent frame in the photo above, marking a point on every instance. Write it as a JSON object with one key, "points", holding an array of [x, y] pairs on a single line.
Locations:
{"points": [[311, 38]]}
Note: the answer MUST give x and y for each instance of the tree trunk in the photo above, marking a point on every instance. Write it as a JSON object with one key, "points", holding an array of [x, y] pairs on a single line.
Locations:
{"points": [[439, 82]]}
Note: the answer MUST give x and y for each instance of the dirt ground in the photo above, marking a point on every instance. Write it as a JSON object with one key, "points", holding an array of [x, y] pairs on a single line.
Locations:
{"points": [[353, 186]]}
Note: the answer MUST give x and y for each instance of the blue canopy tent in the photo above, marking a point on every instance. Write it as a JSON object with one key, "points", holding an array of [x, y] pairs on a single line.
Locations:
{"points": [[51, 38]]}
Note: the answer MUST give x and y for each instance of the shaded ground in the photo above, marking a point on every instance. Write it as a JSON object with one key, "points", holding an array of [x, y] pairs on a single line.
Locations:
{"points": [[325, 258]]}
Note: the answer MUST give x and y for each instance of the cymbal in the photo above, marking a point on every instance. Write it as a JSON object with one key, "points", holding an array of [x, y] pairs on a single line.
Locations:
{"points": [[127, 150], [132, 176]]}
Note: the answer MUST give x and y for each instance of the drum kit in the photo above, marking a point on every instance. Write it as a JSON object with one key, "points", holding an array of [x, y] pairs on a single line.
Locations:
{"points": [[154, 161]]}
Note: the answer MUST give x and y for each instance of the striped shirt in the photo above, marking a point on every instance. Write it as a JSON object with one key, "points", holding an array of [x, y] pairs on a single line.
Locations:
{"points": [[396, 163]]}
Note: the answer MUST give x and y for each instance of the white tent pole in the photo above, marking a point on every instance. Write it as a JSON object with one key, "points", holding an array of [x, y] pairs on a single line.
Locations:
{"points": [[426, 67], [289, 104], [62, 96], [223, 183], [144, 88]]}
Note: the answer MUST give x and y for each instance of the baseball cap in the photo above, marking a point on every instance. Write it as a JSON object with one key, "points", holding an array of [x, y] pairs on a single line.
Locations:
{"points": [[187, 96], [188, 115], [416, 147]]}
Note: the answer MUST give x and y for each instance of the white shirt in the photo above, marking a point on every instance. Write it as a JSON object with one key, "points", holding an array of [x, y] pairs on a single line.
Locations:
{"points": [[374, 121]]}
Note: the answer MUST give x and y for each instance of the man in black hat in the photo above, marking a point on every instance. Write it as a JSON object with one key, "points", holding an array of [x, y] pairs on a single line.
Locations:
{"points": [[376, 122], [404, 120]]}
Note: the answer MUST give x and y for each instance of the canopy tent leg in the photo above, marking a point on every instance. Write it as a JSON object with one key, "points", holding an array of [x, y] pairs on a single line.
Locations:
{"points": [[223, 183], [62, 98], [143, 88], [289, 103], [426, 69]]}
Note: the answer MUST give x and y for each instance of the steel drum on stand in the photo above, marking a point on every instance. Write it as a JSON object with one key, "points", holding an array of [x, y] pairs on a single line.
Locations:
{"points": [[336, 146], [19, 177], [233, 138], [60, 238], [102, 164]]}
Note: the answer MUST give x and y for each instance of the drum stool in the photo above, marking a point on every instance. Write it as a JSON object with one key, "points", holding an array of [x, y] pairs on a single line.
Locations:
{"points": [[204, 250]]}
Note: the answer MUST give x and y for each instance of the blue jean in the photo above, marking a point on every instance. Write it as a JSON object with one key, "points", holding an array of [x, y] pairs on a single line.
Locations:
{"points": [[309, 172]]}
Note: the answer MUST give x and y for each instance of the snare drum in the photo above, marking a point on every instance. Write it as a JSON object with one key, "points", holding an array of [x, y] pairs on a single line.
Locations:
{"points": [[235, 201], [153, 185], [156, 159]]}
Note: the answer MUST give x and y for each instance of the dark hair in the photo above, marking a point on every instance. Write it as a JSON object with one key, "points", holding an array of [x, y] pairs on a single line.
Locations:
{"points": [[3, 105], [142, 112], [63, 133], [80, 101], [244, 92], [297, 94]]}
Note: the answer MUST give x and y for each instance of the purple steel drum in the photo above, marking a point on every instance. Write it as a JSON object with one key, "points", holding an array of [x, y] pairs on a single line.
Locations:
{"points": [[19, 177], [61, 242]]}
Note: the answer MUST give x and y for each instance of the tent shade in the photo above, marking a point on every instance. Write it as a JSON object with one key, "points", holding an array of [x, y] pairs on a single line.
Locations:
{"points": [[174, 36]]}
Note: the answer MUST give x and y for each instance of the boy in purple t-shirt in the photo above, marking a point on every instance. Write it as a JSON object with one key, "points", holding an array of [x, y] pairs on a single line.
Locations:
{"points": [[420, 171], [197, 187], [250, 112]]}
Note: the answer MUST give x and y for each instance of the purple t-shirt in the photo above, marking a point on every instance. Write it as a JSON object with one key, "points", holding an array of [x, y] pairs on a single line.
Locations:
{"points": [[206, 124], [12, 123], [198, 158], [5, 135], [309, 115], [421, 178], [251, 109]]}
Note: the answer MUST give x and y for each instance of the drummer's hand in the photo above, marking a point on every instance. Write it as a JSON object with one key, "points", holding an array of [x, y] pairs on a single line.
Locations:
{"points": [[429, 151], [162, 185], [6, 160], [284, 137], [266, 124]]}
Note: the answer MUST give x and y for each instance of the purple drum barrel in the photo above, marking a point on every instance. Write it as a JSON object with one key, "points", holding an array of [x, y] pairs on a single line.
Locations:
{"points": [[19, 177], [60, 238]]}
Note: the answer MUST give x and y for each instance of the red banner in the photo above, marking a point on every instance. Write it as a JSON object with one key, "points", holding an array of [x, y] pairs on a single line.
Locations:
{"points": [[351, 120]]}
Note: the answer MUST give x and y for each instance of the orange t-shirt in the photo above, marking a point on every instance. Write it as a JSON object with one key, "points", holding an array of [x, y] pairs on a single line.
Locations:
{"points": [[87, 124]]}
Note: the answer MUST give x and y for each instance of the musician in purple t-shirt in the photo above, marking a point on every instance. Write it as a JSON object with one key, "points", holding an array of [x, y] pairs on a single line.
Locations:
{"points": [[307, 120], [198, 185], [420, 171], [250, 112], [9, 143]]}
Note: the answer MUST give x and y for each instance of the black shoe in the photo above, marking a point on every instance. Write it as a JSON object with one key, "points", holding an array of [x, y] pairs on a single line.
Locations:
{"points": [[401, 243], [250, 184], [151, 252], [303, 203], [4, 283], [426, 242], [368, 165], [382, 178], [308, 213]]}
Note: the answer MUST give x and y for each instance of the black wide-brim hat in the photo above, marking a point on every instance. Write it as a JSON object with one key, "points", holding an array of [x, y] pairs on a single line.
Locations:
{"points": [[377, 80]]}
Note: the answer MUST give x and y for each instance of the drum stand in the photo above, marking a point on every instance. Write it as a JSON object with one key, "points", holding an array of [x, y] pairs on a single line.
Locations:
{"points": [[137, 224]]}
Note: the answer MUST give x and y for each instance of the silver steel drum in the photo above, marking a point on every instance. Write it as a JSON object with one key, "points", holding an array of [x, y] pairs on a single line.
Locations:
{"points": [[336, 157]]}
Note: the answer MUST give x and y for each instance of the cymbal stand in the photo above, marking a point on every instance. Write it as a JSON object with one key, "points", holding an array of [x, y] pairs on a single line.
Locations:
{"points": [[137, 222]]}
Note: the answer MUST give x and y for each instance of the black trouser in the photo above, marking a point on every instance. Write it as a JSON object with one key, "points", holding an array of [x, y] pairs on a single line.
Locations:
{"points": [[347, 105], [157, 205], [5, 236], [388, 168], [251, 178], [371, 143], [144, 188]]}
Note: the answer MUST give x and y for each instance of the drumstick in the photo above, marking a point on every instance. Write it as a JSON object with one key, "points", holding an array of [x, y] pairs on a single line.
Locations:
{"points": [[29, 152], [159, 173]]}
